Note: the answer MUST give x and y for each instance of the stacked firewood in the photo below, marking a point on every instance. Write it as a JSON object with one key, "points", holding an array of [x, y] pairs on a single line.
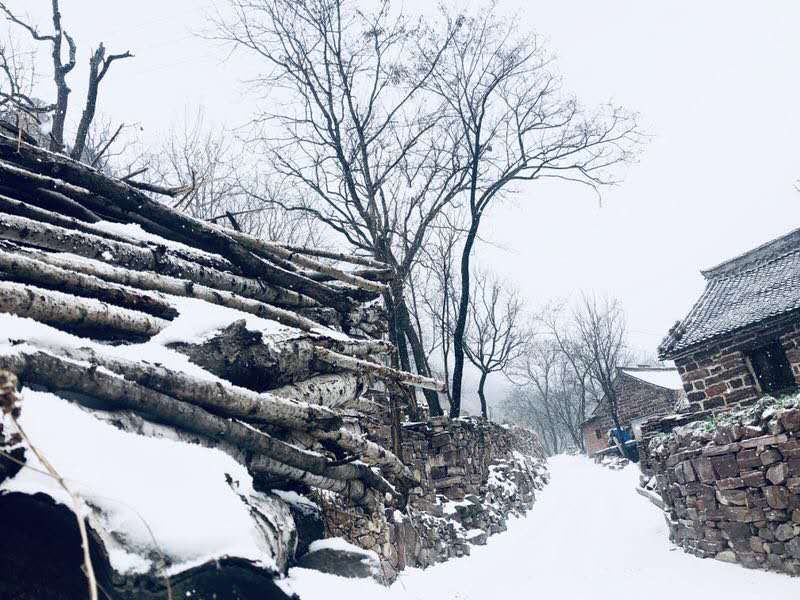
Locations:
{"points": [[275, 401]]}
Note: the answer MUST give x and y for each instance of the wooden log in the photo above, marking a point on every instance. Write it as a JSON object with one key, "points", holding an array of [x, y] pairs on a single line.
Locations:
{"points": [[354, 489], [246, 359], [50, 201], [217, 397], [64, 375], [20, 268], [59, 239], [92, 189], [61, 309], [333, 391], [29, 211], [348, 258], [272, 248], [376, 370], [176, 287]]}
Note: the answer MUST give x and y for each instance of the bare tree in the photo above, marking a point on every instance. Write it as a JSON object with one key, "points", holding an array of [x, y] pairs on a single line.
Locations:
{"points": [[359, 137], [59, 41], [601, 327], [495, 337], [515, 125], [214, 180]]}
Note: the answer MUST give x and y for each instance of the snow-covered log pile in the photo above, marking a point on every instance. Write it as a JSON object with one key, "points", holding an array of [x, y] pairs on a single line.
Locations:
{"points": [[730, 484], [172, 375], [473, 475]]}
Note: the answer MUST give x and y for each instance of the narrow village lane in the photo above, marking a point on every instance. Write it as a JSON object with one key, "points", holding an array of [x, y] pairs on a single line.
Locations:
{"points": [[589, 537]]}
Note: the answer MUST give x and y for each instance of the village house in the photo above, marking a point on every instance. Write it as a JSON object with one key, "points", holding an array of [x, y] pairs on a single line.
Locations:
{"points": [[642, 393], [741, 339]]}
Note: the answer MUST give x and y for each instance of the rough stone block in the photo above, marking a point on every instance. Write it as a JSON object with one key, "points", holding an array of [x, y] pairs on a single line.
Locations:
{"points": [[778, 473], [754, 479], [725, 466], [770, 456], [777, 496]]}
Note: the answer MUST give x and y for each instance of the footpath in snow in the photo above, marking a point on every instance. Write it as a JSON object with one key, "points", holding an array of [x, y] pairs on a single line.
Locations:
{"points": [[590, 536]]}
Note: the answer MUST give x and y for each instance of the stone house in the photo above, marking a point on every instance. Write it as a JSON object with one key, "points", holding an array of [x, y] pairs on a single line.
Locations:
{"points": [[642, 392], [741, 339]]}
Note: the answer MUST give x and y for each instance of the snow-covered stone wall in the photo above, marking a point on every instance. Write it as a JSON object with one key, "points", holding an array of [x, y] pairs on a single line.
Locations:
{"points": [[731, 485], [473, 474]]}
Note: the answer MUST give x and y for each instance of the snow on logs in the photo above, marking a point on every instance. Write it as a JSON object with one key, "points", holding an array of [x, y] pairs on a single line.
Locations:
{"points": [[92, 255]]}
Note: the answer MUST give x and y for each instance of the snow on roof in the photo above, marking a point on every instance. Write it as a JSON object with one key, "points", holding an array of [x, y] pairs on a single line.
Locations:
{"points": [[761, 284], [662, 377]]}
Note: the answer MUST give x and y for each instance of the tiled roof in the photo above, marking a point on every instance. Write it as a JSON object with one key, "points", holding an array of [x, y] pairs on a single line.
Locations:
{"points": [[753, 287]]}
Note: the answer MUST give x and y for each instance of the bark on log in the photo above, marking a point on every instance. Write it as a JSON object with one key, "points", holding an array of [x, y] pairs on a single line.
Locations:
{"points": [[272, 248], [61, 309], [217, 397], [64, 375], [175, 287], [380, 371], [94, 190], [20, 268], [246, 359], [59, 239], [333, 391]]}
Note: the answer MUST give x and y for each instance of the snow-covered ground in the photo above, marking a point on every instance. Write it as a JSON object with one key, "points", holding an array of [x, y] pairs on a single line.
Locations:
{"points": [[590, 536]]}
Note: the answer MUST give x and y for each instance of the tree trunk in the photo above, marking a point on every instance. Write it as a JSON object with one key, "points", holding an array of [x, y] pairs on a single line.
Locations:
{"points": [[461, 321], [482, 396], [431, 397]]}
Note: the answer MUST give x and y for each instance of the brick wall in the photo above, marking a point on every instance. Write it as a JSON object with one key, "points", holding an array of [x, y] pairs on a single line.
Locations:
{"points": [[717, 376], [636, 399]]}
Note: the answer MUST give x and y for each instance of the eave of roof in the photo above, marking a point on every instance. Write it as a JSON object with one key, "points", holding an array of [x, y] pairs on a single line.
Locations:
{"points": [[747, 290]]}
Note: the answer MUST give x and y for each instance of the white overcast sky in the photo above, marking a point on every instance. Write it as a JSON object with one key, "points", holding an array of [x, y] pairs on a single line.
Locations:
{"points": [[715, 83]]}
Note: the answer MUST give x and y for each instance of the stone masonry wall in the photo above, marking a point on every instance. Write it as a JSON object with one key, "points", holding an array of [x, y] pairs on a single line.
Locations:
{"points": [[718, 376], [731, 486], [473, 474]]}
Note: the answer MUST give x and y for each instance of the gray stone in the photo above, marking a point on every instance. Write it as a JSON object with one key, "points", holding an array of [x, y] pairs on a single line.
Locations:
{"points": [[777, 473], [726, 556], [784, 531]]}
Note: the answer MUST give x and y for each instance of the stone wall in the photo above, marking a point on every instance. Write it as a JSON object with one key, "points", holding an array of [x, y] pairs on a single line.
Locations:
{"points": [[473, 474], [731, 485], [718, 376]]}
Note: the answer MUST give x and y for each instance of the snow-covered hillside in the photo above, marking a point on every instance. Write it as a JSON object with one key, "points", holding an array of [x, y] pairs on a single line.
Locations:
{"points": [[589, 537]]}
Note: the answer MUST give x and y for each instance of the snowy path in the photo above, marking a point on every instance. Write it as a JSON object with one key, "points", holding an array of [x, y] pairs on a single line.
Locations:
{"points": [[589, 537]]}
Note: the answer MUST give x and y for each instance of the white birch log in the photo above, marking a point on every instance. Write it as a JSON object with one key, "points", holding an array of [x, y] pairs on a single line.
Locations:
{"points": [[381, 372], [59, 239], [57, 308], [64, 375], [25, 269]]}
